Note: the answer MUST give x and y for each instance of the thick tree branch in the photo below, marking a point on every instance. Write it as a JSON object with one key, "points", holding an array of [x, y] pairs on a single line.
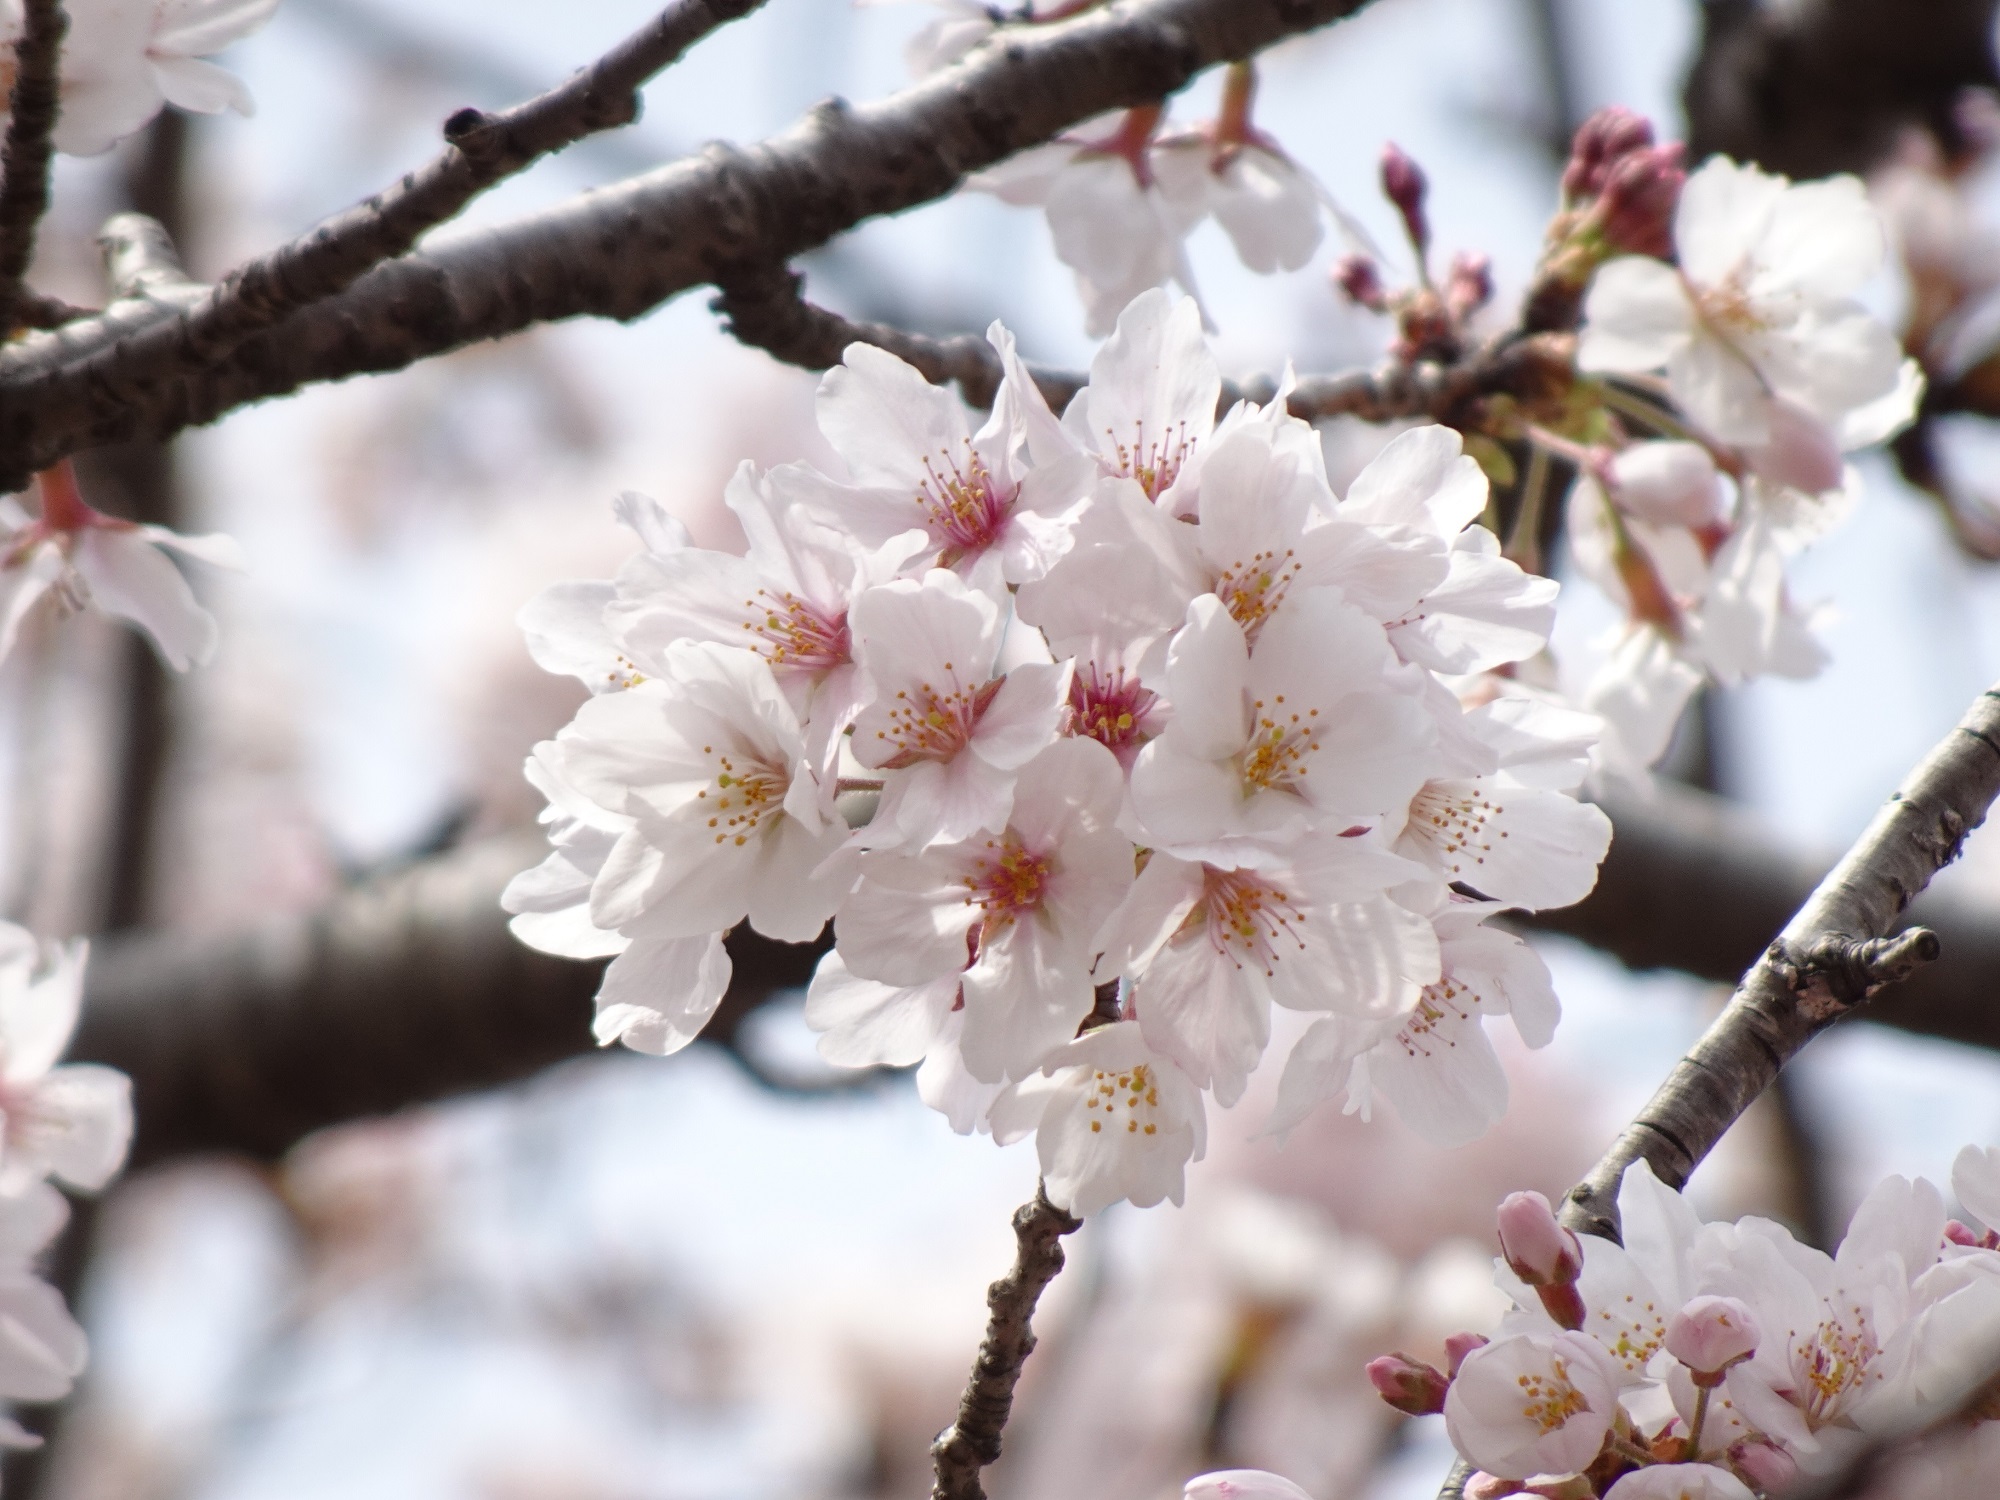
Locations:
{"points": [[481, 151], [973, 1439], [1819, 968], [621, 251], [24, 160]]}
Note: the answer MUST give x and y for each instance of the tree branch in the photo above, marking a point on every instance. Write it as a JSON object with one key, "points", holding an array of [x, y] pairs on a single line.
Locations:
{"points": [[623, 250], [24, 160], [973, 1439], [1820, 967]]}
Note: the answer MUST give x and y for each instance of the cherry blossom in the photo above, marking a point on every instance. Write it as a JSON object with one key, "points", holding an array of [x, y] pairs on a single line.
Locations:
{"points": [[1112, 1119], [82, 556], [42, 1350], [1011, 916], [1680, 1482], [122, 62], [72, 1120], [949, 728], [1534, 1404], [1760, 308], [1242, 1484]]}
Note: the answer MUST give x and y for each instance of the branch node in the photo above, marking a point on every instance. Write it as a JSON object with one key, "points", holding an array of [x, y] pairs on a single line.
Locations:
{"points": [[1834, 973], [140, 259], [465, 123]]}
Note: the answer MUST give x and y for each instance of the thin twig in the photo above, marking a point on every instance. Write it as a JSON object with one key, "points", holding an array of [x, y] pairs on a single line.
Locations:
{"points": [[482, 150], [973, 1439], [24, 160]]}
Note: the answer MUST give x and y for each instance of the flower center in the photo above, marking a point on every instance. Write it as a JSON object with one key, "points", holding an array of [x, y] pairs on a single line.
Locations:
{"points": [[964, 509], [1247, 919], [1281, 746], [1004, 883], [624, 672], [1129, 1099], [791, 633], [1834, 1359], [1727, 308], [1453, 823], [1156, 464], [1549, 1400], [1436, 1007], [744, 792], [930, 725], [1110, 708], [1251, 590]]}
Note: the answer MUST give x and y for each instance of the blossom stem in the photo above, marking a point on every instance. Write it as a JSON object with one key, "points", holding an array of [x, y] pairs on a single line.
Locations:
{"points": [[63, 505], [1239, 92], [973, 1439], [1524, 543], [1626, 1448], [1701, 1395]]}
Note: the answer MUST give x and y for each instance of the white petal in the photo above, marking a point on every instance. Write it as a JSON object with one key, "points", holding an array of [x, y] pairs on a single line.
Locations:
{"points": [[127, 576], [193, 84], [659, 993]]}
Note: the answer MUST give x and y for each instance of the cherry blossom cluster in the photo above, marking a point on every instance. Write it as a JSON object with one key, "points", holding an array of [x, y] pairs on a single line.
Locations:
{"points": [[1739, 343], [1714, 1361], [69, 1122], [79, 556], [1096, 737], [124, 60]]}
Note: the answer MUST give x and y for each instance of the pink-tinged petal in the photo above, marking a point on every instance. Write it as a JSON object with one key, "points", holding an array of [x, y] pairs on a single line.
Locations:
{"points": [[1242, 1484], [1208, 672], [566, 634], [1486, 613], [1422, 479], [127, 576], [566, 932], [1526, 847], [1270, 210], [195, 28], [1716, 384], [1024, 716], [625, 886], [1027, 994], [1441, 1075], [651, 522], [885, 420], [1369, 959], [1196, 1005], [1319, 1066], [81, 1125], [215, 548], [1047, 442], [1975, 1179], [1725, 211], [192, 84], [865, 1023], [789, 897], [1074, 785], [37, 1018], [22, 587], [42, 1350], [29, 1221], [935, 803], [1186, 802], [659, 993], [1824, 239], [1153, 385], [1151, 911], [905, 923], [1636, 317]]}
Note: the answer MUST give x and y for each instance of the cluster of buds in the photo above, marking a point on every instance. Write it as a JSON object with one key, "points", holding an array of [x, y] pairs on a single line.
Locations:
{"points": [[1430, 319], [1619, 191]]}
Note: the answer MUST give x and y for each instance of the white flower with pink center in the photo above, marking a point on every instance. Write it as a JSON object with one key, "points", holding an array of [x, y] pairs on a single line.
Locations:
{"points": [[995, 506], [1012, 916], [83, 557], [74, 1120], [1210, 950], [1433, 1062], [1760, 308], [1112, 1119], [948, 729], [1305, 732], [1532, 1404]]}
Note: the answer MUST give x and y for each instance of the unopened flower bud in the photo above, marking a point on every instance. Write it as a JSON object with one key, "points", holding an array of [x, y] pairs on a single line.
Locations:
{"points": [[1668, 482], [1956, 1233], [1766, 1466], [1563, 1304], [1404, 184], [1359, 279], [1243, 1484], [1484, 1486], [1536, 1248], [1601, 141], [1710, 1334], [1459, 1345], [1470, 285], [1410, 1385], [1636, 209], [1802, 452]]}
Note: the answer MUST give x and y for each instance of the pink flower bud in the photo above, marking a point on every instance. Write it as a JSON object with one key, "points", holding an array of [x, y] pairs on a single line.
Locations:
{"points": [[1470, 285], [1404, 184], [1536, 1248], [1801, 453], [1710, 1334], [1484, 1486], [1600, 141], [1564, 1304], [1408, 1384], [1641, 192], [1766, 1466], [1359, 279], [1243, 1484], [1670, 483], [1459, 1345], [1956, 1233]]}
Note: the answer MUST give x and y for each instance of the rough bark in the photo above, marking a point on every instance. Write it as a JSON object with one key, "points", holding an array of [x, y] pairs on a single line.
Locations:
{"points": [[972, 1441], [621, 251], [24, 159]]}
